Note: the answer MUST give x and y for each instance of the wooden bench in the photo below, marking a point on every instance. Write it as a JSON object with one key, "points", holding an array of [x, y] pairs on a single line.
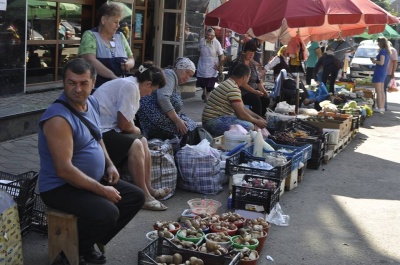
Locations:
{"points": [[62, 236]]}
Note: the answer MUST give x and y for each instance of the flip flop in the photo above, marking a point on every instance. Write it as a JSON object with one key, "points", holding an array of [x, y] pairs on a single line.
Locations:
{"points": [[154, 206], [162, 192]]}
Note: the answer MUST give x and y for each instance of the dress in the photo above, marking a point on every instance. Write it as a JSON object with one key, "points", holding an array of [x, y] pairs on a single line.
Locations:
{"points": [[218, 113], [119, 95], [93, 225], [153, 109], [380, 70], [206, 72], [92, 43]]}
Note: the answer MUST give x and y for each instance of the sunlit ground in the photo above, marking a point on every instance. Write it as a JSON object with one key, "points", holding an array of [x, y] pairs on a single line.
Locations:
{"points": [[366, 214]]}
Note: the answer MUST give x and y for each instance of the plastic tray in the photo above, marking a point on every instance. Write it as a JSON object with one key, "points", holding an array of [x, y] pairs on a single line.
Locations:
{"points": [[21, 187], [243, 197], [295, 156], [162, 246], [233, 166]]}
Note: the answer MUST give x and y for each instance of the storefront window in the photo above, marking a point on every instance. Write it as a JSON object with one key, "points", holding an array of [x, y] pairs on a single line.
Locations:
{"points": [[194, 28], [50, 44], [12, 48]]}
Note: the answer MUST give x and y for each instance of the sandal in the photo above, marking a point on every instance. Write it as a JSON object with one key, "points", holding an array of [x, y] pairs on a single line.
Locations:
{"points": [[154, 206], [162, 192]]}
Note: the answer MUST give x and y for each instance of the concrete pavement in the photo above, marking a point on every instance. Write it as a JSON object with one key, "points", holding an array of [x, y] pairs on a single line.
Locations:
{"points": [[346, 212]]}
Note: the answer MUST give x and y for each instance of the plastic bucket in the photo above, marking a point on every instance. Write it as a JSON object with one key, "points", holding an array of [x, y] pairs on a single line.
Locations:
{"points": [[232, 140]]}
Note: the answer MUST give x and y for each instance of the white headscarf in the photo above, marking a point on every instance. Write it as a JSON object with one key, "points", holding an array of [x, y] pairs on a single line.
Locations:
{"points": [[185, 63]]}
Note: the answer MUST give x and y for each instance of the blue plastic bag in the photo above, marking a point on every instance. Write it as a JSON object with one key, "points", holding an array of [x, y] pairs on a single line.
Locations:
{"points": [[321, 93]]}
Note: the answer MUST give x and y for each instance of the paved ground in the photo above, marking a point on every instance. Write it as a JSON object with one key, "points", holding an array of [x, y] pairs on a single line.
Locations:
{"points": [[346, 212]]}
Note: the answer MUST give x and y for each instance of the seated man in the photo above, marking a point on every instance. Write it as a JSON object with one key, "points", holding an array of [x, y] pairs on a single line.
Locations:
{"points": [[225, 106], [73, 160], [119, 102]]}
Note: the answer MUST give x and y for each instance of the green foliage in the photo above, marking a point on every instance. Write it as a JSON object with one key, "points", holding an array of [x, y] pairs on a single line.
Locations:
{"points": [[385, 4]]}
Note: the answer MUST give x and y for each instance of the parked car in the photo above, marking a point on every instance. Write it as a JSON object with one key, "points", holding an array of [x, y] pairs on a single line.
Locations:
{"points": [[70, 31], [361, 65]]}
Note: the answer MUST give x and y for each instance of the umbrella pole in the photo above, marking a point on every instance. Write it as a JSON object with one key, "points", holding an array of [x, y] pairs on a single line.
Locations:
{"points": [[297, 93]]}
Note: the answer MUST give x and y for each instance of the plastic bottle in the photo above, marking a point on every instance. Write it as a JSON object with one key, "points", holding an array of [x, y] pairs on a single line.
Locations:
{"points": [[258, 144]]}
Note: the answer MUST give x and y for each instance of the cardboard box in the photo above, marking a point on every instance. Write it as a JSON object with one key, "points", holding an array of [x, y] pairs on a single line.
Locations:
{"points": [[343, 124], [291, 180], [251, 214], [367, 92]]}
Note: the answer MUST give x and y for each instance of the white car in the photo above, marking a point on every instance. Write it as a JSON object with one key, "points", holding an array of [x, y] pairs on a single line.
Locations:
{"points": [[361, 65]]}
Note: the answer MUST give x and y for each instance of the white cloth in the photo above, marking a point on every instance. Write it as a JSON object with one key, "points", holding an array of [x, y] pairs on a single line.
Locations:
{"points": [[121, 94], [272, 63], [209, 58]]}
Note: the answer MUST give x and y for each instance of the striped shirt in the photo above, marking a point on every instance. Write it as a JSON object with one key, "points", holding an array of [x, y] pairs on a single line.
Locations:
{"points": [[219, 102]]}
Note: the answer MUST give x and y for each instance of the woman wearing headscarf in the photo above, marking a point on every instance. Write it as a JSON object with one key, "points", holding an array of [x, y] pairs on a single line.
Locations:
{"points": [[159, 113], [210, 61], [106, 47]]}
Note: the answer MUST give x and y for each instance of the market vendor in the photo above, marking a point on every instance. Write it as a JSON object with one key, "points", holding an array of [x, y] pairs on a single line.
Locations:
{"points": [[225, 106]]}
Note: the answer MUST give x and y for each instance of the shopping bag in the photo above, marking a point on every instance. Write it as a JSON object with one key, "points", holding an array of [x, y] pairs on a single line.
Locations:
{"points": [[10, 231], [392, 86], [199, 170], [163, 169], [321, 93]]}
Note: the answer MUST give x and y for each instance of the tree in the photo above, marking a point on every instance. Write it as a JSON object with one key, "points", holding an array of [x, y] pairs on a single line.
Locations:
{"points": [[385, 4]]}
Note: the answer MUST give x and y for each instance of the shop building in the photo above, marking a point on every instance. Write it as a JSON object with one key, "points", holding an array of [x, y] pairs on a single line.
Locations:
{"points": [[38, 37]]}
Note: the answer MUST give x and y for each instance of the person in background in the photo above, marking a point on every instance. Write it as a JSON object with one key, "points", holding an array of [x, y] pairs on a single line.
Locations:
{"points": [[253, 93], [340, 47], [378, 79], [119, 102], [278, 63], [125, 30], [76, 174], [210, 63], [390, 70], [160, 113], [314, 53], [258, 54], [106, 47], [330, 66], [225, 106]]}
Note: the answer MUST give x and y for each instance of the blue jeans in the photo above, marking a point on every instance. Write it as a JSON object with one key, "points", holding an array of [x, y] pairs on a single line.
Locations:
{"points": [[218, 126]]}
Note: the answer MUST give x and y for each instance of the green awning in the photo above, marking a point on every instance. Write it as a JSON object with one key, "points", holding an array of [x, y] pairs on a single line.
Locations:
{"points": [[389, 33]]}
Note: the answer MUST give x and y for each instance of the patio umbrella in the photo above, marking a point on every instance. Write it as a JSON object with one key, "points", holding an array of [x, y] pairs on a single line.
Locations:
{"points": [[311, 19], [388, 33]]}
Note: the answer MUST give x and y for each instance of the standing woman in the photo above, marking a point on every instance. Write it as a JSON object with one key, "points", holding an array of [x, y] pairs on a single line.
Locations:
{"points": [[378, 79], [210, 61], [314, 53], [106, 47], [159, 113]]}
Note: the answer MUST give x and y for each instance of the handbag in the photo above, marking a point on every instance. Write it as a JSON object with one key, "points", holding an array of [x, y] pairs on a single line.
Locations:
{"points": [[392, 86]]}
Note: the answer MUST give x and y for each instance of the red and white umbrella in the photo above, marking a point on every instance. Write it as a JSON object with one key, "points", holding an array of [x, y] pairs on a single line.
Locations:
{"points": [[311, 19]]}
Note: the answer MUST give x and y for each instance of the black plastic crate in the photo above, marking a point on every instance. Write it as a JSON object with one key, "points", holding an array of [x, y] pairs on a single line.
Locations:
{"points": [[315, 163], [39, 217], [163, 246], [233, 167], [21, 187], [355, 122], [243, 196], [302, 125]]}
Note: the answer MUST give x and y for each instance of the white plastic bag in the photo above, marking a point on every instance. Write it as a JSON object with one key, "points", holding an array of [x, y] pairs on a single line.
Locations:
{"points": [[283, 107], [277, 217]]}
